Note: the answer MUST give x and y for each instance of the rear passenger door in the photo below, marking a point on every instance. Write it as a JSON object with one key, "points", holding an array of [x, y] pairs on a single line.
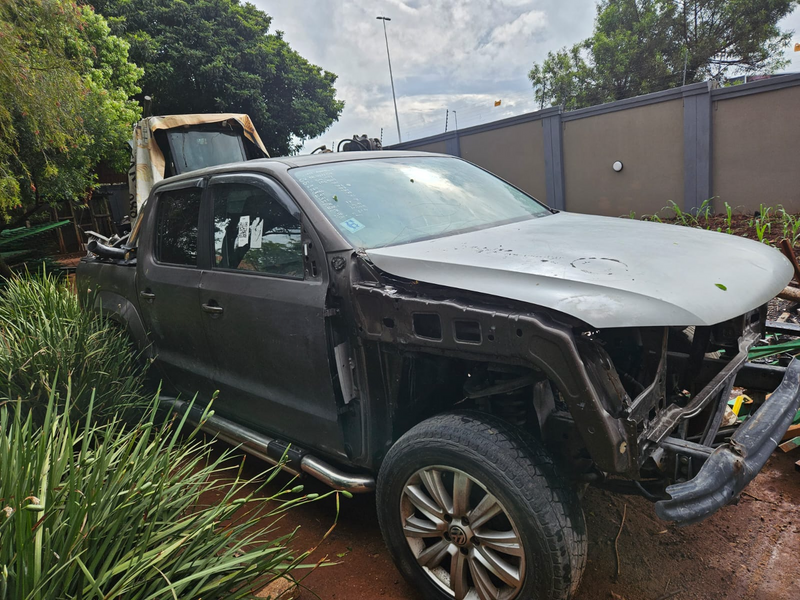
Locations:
{"points": [[169, 271], [268, 330]]}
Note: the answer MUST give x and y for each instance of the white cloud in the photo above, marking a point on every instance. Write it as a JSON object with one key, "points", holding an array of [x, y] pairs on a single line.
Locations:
{"points": [[529, 23], [456, 54], [446, 54]]}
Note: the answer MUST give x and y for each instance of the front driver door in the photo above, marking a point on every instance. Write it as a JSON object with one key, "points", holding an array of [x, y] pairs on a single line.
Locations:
{"points": [[268, 331]]}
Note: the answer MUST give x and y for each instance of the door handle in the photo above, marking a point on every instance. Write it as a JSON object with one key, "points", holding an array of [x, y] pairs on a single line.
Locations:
{"points": [[147, 295], [212, 309]]}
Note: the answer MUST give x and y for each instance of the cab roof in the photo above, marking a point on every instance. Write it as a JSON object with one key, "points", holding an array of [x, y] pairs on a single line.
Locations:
{"points": [[304, 160]]}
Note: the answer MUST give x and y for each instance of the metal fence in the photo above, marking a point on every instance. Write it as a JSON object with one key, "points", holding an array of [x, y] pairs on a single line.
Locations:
{"points": [[739, 145]]}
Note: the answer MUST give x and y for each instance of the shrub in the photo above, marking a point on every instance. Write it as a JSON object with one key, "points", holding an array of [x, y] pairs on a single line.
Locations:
{"points": [[105, 511], [48, 343]]}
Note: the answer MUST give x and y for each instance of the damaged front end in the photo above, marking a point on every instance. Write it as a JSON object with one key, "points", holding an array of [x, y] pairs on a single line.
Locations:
{"points": [[689, 463], [634, 409]]}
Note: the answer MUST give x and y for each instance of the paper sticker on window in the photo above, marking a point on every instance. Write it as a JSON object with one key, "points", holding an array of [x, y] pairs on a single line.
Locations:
{"points": [[353, 225], [256, 231], [243, 236]]}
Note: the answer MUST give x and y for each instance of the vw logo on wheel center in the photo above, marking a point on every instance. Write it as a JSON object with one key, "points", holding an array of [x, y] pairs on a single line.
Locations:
{"points": [[458, 536]]}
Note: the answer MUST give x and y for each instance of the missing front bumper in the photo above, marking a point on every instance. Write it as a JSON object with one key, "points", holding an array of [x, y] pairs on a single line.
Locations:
{"points": [[731, 466]]}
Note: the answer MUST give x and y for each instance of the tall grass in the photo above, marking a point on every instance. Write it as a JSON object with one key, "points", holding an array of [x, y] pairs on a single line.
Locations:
{"points": [[97, 511], [48, 343]]}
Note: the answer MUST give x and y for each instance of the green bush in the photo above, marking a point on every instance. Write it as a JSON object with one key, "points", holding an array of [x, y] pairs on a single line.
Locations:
{"points": [[92, 510], [48, 343]]}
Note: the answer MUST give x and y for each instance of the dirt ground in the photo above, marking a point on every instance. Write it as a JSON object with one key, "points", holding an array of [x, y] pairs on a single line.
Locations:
{"points": [[750, 551]]}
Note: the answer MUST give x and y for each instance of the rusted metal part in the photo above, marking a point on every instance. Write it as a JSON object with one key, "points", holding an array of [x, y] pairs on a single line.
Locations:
{"points": [[654, 393], [578, 366], [686, 448], [673, 414], [731, 466], [715, 420], [752, 376], [788, 252]]}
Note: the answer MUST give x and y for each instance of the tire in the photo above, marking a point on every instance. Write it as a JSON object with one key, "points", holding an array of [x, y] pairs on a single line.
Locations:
{"points": [[538, 533]]}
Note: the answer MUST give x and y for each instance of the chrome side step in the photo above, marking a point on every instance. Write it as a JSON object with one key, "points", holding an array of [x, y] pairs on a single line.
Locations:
{"points": [[271, 450]]}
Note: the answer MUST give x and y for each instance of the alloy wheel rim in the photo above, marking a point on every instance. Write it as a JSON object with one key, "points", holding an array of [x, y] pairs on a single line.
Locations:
{"points": [[461, 535]]}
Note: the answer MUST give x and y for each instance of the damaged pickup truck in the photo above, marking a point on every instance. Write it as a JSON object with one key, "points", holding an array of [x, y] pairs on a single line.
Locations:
{"points": [[410, 323]]}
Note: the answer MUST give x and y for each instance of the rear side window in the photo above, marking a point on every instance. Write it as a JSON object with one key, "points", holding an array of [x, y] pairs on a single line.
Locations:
{"points": [[176, 226], [254, 232]]}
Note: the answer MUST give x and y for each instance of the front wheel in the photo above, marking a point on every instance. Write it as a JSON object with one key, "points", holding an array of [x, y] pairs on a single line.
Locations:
{"points": [[471, 508]]}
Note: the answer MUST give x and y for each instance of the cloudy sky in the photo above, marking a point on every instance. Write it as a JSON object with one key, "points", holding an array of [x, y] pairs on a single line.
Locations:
{"points": [[460, 55]]}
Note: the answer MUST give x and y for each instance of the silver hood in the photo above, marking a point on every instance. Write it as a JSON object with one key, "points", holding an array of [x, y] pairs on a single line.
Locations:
{"points": [[608, 272]]}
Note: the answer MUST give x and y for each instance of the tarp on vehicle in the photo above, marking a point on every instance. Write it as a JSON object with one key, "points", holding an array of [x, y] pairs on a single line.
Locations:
{"points": [[149, 165]]}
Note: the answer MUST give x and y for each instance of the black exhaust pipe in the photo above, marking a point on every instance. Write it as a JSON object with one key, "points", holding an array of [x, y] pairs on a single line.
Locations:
{"points": [[104, 251]]}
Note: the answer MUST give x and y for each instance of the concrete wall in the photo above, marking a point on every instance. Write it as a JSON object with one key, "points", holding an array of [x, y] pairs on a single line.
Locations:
{"points": [[647, 140], [738, 144], [756, 150], [515, 153]]}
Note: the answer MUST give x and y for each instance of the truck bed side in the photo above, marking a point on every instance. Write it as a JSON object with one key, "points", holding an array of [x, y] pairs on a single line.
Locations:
{"points": [[111, 288]]}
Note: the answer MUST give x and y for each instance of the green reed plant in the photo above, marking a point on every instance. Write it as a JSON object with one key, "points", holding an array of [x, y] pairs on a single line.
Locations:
{"points": [[48, 342], [728, 219], [704, 213], [686, 219], [96, 511], [762, 223], [790, 224]]}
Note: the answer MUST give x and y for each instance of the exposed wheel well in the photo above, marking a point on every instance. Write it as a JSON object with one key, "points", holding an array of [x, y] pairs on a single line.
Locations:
{"points": [[521, 396]]}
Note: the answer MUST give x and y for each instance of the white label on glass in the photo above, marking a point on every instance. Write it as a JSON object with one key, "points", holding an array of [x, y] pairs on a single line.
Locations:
{"points": [[244, 231], [256, 231]]}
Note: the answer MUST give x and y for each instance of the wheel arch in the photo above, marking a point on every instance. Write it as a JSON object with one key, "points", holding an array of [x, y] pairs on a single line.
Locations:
{"points": [[122, 311]]}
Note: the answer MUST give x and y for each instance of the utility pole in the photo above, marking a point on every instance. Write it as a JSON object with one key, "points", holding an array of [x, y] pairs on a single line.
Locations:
{"points": [[446, 115], [391, 77]]}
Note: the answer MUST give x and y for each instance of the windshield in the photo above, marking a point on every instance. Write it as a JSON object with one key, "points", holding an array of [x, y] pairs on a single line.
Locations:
{"points": [[193, 150], [387, 201]]}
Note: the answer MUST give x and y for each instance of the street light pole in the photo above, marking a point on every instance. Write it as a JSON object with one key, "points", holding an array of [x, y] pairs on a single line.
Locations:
{"points": [[391, 77]]}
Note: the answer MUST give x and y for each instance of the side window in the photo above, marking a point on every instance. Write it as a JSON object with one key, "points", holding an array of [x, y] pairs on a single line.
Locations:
{"points": [[176, 226], [254, 232]]}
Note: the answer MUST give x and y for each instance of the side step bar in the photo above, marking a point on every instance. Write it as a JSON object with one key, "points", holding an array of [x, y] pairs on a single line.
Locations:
{"points": [[271, 450]]}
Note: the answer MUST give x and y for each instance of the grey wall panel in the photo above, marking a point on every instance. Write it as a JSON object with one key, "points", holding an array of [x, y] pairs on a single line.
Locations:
{"points": [[756, 159], [696, 147], [554, 161], [515, 153], [688, 144], [438, 146], [648, 140]]}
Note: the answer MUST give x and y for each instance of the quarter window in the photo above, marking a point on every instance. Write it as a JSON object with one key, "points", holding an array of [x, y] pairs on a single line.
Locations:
{"points": [[176, 226], [254, 232]]}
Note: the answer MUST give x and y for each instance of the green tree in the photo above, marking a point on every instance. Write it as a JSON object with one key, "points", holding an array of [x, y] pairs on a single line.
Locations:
{"points": [[642, 46], [218, 56], [65, 103], [562, 79]]}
